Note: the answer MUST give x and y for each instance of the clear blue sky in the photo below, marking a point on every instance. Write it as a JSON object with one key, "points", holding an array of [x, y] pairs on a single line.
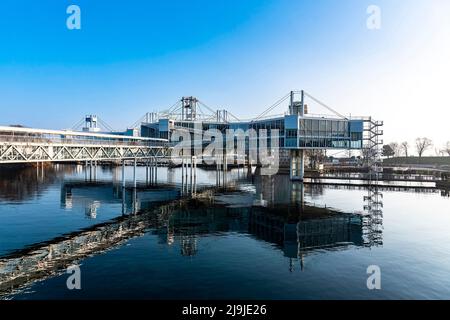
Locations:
{"points": [[135, 56]]}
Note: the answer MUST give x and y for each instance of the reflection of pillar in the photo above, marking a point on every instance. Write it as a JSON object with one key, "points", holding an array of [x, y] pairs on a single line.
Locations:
{"points": [[298, 193], [134, 201], [292, 164], [123, 200], [217, 175], [42, 171], [302, 262], [170, 175]]}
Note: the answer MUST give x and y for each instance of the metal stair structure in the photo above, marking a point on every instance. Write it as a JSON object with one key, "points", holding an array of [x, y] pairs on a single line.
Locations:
{"points": [[373, 201]]}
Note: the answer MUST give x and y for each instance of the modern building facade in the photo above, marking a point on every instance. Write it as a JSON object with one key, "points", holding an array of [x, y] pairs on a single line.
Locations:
{"points": [[295, 131]]}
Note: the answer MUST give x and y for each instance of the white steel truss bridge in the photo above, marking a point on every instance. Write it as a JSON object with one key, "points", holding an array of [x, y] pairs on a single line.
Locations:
{"points": [[26, 145]]}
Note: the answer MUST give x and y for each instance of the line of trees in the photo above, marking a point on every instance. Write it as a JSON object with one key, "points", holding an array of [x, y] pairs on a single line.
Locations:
{"points": [[395, 149]]}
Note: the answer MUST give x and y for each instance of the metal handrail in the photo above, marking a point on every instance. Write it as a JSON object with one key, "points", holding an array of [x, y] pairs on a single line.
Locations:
{"points": [[27, 139]]}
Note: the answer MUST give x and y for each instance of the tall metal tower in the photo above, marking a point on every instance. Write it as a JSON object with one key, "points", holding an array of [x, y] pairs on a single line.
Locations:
{"points": [[189, 108], [373, 219]]}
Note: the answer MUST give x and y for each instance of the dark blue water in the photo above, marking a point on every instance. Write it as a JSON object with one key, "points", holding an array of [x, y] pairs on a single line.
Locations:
{"points": [[254, 241]]}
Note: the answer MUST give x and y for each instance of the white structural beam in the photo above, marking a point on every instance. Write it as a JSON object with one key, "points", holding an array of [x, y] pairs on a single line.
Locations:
{"points": [[24, 153]]}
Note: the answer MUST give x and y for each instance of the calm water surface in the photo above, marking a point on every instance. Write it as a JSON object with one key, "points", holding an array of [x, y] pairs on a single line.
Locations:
{"points": [[253, 241]]}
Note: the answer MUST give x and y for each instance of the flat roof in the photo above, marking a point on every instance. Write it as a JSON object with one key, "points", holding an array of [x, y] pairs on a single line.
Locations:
{"points": [[74, 133]]}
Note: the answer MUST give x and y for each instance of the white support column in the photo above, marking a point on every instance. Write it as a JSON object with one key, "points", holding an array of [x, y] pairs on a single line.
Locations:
{"points": [[195, 175], [147, 170], [182, 175], [192, 173], [293, 164], [297, 165], [225, 169], [186, 185], [90, 170], [156, 170], [301, 165], [186, 172], [150, 168], [134, 173], [123, 173]]}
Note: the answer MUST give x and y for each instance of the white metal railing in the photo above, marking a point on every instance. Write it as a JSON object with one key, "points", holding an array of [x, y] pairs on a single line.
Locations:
{"points": [[54, 140]]}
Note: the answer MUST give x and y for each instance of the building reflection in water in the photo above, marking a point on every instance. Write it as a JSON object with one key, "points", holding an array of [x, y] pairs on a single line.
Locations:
{"points": [[274, 212], [92, 195], [20, 183], [180, 222], [294, 235]]}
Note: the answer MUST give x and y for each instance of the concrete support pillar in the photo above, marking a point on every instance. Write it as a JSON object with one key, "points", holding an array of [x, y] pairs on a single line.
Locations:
{"points": [[147, 170], [134, 173], [186, 173], [195, 174], [186, 166], [192, 172], [150, 170], [297, 165], [90, 170], [156, 170], [301, 165], [292, 164], [225, 169], [182, 175], [218, 170], [123, 173]]}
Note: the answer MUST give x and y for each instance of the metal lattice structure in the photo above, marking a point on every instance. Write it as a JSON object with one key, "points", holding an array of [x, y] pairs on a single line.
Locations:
{"points": [[373, 207], [22, 145]]}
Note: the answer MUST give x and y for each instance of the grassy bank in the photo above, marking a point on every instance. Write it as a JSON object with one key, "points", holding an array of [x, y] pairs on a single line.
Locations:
{"points": [[424, 161]]}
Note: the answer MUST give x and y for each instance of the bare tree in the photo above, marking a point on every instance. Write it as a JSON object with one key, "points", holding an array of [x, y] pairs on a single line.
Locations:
{"points": [[422, 144], [315, 157], [395, 148], [447, 148], [405, 147], [439, 153]]}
